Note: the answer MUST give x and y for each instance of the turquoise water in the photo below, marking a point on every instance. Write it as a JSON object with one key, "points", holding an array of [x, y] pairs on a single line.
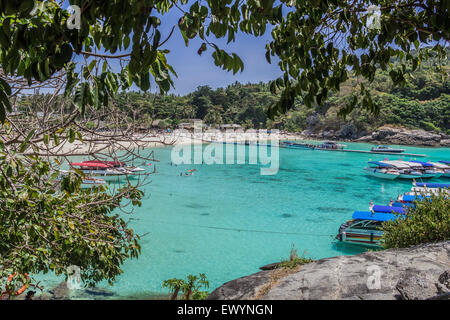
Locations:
{"points": [[227, 220]]}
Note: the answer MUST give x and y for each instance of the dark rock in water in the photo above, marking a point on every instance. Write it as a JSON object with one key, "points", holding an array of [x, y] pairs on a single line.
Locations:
{"points": [[420, 272], [286, 215], [196, 206], [98, 292], [346, 164], [343, 178], [204, 214], [271, 266]]}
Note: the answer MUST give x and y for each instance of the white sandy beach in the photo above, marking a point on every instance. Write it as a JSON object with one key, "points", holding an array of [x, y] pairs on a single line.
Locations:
{"points": [[158, 139]]}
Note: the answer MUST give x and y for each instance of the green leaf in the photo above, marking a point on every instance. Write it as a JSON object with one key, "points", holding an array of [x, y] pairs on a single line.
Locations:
{"points": [[24, 144]]}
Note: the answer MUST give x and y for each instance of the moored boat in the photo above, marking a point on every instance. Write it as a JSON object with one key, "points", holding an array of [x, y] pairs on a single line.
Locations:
{"points": [[431, 185], [118, 165], [365, 228], [327, 145], [428, 169], [383, 148], [381, 170], [446, 169], [405, 170], [292, 144], [100, 170]]}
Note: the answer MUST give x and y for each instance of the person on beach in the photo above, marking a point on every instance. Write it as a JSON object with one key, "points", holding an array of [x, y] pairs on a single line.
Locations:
{"points": [[391, 203]]}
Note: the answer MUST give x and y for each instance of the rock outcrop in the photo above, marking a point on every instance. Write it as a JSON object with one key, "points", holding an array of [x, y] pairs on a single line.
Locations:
{"points": [[383, 135], [421, 272], [389, 135]]}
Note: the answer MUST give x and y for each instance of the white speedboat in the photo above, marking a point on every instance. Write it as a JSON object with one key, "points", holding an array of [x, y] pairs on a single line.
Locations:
{"points": [[381, 148], [381, 170]]}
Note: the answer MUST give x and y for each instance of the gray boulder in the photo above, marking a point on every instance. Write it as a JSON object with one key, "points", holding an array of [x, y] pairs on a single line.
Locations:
{"points": [[412, 273]]}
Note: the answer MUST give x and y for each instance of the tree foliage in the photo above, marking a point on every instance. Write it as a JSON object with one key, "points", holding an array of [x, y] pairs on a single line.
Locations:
{"points": [[422, 103], [190, 288], [47, 225], [427, 221], [319, 44]]}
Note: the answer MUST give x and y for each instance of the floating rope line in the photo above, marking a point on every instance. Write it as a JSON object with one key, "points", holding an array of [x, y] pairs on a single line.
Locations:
{"points": [[245, 230]]}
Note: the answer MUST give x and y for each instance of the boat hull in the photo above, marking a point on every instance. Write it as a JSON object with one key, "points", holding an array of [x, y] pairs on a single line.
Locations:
{"points": [[409, 176], [390, 151], [379, 174], [361, 237], [104, 175]]}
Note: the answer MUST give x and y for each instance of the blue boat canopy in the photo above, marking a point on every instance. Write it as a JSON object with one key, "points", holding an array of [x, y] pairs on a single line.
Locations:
{"points": [[433, 185], [402, 205], [377, 216], [411, 198], [445, 162], [424, 164], [388, 209], [380, 164]]}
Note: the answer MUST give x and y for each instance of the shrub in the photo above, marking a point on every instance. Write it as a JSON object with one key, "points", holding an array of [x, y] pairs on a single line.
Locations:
{"points": [[427, 221], [190, 288], [428, 126], [294, 260]]}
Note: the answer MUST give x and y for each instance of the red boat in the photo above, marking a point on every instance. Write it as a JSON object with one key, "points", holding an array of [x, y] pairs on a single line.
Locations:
{"points": [[112, 164]]}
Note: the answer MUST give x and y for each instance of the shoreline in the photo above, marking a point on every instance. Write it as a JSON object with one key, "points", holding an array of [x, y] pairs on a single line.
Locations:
{"points": [[182, 137]]}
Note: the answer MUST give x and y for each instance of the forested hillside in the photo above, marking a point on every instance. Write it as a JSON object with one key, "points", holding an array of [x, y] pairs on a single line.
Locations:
{"points": [[423, 103]]}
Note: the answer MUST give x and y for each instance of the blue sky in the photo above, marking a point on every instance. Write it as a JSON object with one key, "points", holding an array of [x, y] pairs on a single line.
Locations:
{"points": [[194, 70]]}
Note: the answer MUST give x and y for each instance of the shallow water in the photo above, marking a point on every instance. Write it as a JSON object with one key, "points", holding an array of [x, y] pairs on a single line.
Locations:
{"points": [[228, 220]]}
